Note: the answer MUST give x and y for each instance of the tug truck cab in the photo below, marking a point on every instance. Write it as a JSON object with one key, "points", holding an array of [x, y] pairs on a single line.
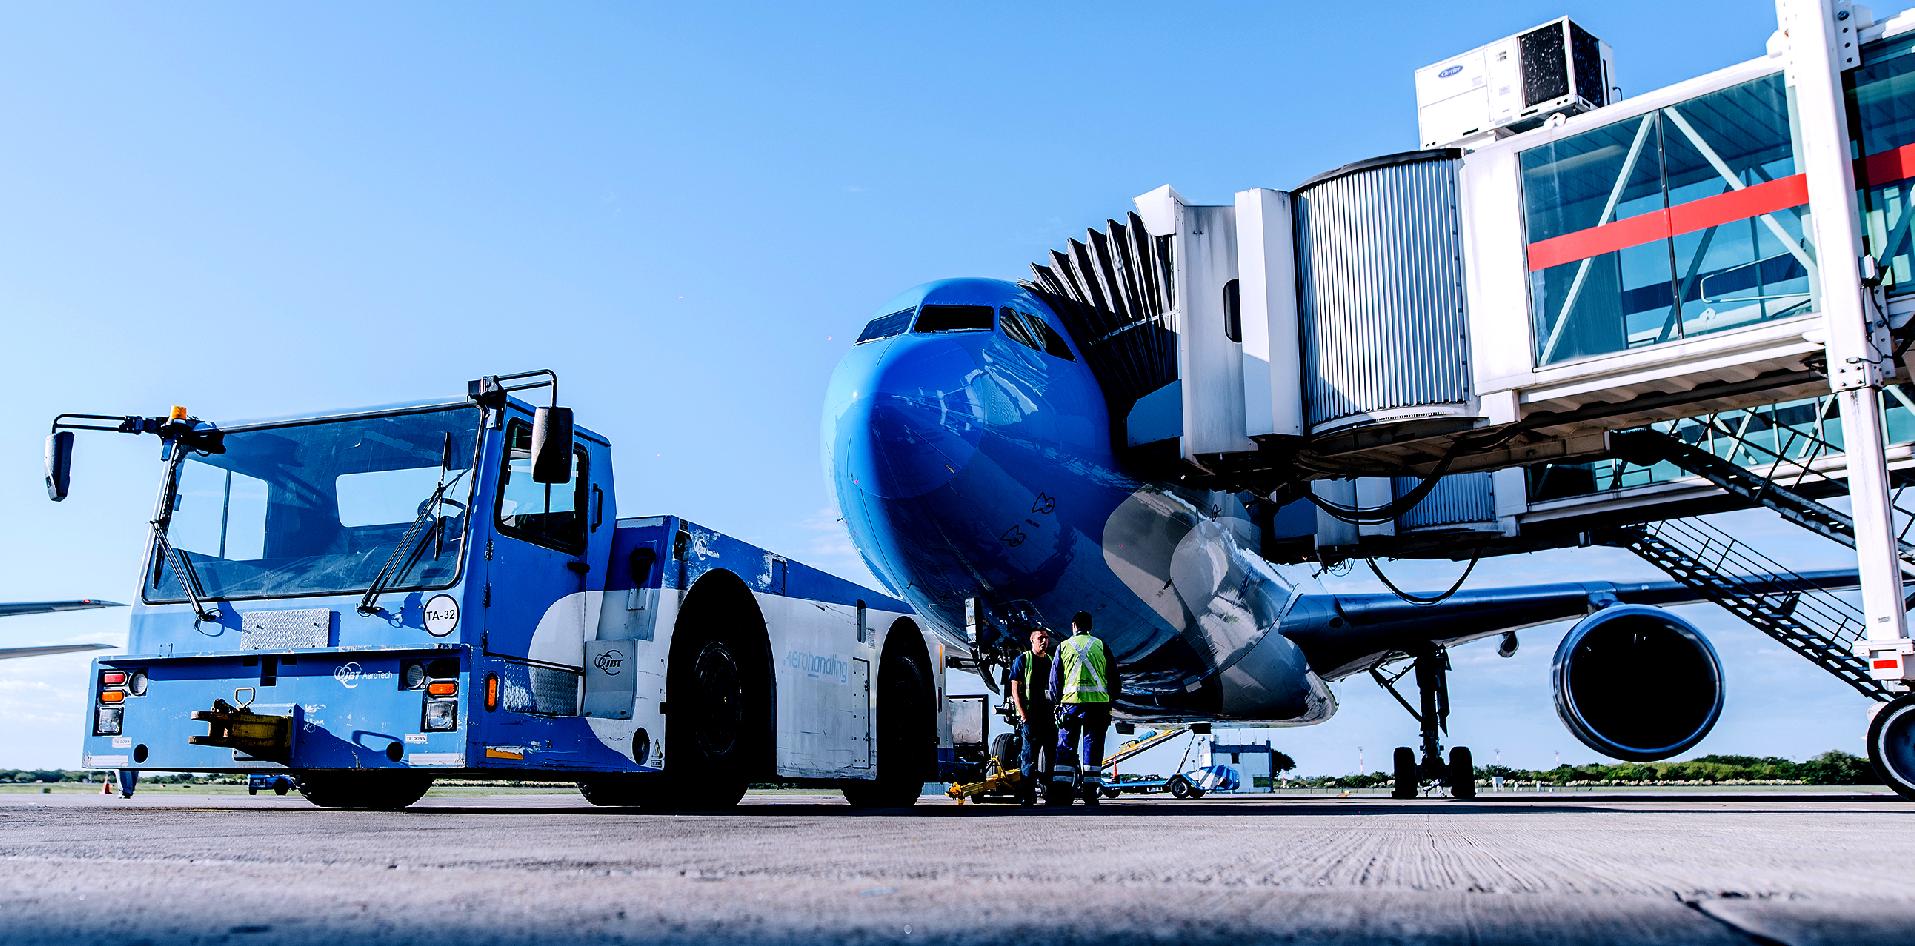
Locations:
{"points": [[369, 600]]}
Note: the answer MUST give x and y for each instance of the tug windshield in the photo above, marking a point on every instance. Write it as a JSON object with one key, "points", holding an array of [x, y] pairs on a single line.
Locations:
{"points": [[317, 507]]}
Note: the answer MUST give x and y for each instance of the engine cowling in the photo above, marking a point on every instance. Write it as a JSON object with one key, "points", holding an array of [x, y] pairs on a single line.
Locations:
{"points": [[1637, 683]]}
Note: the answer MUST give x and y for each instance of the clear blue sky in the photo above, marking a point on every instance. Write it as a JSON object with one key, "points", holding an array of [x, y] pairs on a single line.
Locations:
{"points": [[689, 212]]}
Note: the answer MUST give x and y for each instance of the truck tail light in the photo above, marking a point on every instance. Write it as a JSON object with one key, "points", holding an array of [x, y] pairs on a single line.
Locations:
{"points": [[111, 696], [443, 688], [112, 678], [442, 715], [491, 691]]}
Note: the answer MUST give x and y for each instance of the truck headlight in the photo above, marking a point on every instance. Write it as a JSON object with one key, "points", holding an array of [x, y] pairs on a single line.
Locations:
{"points": [[442, 715], [106, 720]]}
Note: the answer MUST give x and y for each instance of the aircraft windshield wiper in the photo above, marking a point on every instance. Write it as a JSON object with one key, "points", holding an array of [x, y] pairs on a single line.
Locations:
{"points": [[405, 554]]}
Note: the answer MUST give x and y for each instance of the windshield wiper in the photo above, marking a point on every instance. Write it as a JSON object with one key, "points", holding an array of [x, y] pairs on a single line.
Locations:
{"points": [[406, 553], [184, 573]]}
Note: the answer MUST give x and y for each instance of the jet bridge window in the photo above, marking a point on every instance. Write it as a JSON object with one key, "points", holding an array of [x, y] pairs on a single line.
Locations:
{"points": [[549, 515], [955, 318], [1670, 224]]}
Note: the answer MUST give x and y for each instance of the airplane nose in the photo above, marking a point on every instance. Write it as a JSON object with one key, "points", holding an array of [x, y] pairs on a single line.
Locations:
{"points": [[911, 423]]}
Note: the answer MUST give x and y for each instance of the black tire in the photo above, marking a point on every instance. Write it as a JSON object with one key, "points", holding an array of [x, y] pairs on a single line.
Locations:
{"points": [[1007, 748], [1111, 793], [906, 744], [626, 791], [1404, 767], [364, 791], [252, 789], [1462, 774], [281, 788], [1891, 744], [1196, 792], [1180, 787]]}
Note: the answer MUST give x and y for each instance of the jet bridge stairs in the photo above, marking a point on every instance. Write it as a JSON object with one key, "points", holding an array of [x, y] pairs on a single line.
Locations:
{"points": [[1796, 611]]}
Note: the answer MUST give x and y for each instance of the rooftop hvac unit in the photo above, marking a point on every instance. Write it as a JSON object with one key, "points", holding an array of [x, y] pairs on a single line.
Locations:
{"points": [[1513, 84]]}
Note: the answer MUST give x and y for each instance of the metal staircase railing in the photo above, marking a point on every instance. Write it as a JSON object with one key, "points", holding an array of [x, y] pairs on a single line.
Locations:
{"points": [[1772, 477], [1809, 620]]}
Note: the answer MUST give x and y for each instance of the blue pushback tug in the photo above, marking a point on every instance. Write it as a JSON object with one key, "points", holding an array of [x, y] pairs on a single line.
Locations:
{"points": [[369, 600]]}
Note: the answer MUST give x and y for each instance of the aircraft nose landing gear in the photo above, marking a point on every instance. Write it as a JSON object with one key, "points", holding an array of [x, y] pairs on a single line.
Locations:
{"points": [[1412, 773]]}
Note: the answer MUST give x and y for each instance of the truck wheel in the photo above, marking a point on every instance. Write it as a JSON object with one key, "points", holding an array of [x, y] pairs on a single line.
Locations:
{"points": [[710, 728], [364, 791], [280, 787], [1406, 775], [1180, 787], [1891, 744], [252, 789], [905, 732]]}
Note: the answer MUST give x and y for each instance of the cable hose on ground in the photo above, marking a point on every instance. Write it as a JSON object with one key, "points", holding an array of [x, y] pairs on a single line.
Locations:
{"points": [[1425, 599]]}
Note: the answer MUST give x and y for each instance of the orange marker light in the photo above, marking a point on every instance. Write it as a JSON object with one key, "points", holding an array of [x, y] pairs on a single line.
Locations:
{"points": [[443, 688], [111, 696], [177, 413], [491, 691]]}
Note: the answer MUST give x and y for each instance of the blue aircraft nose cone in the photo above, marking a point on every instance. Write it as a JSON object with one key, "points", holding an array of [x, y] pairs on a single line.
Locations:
{"points": [[905, 419]]}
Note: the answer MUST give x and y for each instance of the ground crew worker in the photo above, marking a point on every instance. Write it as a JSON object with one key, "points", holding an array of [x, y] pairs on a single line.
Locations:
{"points": [[1036, 714], [1083, 682]]}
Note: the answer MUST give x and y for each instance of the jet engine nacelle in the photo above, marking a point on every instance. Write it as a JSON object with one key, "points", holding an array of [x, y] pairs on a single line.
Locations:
{"points": [[1637, 683]]}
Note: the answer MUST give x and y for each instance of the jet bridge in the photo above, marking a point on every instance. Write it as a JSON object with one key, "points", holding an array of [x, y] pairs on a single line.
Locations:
{"points": [[1441, 344]]}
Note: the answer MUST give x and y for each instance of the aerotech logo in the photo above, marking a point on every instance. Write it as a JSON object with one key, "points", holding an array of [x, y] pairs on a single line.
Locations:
{"points": [[350, 673]]}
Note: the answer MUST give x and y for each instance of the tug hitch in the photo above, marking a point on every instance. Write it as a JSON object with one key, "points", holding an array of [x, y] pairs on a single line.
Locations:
{"points": [[259, 735]]}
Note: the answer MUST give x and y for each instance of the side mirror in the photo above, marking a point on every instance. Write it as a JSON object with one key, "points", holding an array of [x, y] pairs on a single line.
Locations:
{"points": [[552, 445], [59, 464]]}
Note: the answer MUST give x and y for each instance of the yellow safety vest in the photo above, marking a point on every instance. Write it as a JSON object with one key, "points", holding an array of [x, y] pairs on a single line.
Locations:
{"points": [[1084, 665]]}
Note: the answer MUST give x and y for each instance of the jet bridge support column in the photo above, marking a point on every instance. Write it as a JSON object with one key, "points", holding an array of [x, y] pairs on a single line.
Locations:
{"points": [[1824, 42]]}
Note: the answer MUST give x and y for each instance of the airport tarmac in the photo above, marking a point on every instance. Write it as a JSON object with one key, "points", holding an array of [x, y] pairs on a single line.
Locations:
{"points": [[169, 868]]}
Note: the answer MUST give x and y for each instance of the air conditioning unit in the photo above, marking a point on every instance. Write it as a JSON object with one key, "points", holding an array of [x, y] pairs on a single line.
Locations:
{"points": [[1513, 84]]}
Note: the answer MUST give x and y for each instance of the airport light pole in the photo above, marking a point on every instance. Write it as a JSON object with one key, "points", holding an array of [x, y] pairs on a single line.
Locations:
{"points": [[1824, 41]]}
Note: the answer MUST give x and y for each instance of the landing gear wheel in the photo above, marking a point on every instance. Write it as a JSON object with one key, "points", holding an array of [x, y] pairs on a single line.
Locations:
{"points": [[1403, 763], [1462, 774], [1007, 750], [906, 750], [1891, 744], [1180, 787], [363, 791]]}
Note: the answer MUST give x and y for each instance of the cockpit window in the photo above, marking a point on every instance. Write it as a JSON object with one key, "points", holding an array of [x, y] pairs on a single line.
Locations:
{"points": [[1032, 330], [1014, 326], [954, 318], [885, 326]]}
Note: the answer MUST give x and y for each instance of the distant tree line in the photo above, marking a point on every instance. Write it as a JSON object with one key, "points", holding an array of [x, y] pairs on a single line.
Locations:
{"points": [[1830, 768]]}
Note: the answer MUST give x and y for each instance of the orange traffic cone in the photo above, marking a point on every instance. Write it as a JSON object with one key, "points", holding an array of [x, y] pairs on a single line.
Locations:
{"points": [[106, 787]]}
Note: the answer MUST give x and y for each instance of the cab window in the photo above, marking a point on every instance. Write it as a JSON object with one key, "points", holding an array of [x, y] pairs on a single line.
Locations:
{"points": [[1020, 332], [551, 515]]}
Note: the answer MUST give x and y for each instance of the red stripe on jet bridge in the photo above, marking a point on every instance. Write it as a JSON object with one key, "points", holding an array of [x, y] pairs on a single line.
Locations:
{"points": [[1888, 664], [1751, 201], [1882, 167], [1887, 167]]}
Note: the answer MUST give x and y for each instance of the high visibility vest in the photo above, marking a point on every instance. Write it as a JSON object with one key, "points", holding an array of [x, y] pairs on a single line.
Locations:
{"points": [[1084, 665], [1042, 693]]}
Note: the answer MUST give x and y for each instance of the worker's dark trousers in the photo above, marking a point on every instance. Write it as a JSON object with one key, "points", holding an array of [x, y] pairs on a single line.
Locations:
{"points": [[1085, 724], [1039, 735]]}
